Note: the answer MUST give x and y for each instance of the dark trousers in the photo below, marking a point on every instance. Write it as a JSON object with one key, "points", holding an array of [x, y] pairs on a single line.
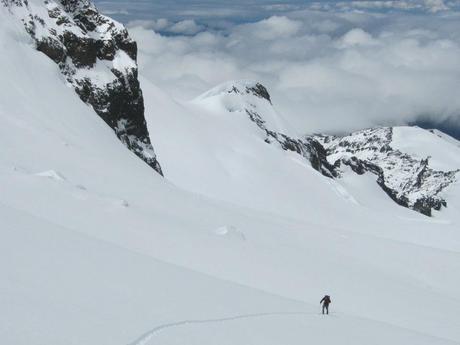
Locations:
{"points": [[326, 308]]}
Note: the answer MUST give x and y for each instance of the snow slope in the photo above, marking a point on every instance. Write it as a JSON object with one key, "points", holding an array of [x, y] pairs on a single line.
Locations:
{"points": [[97, 249], [444, 151], [65, 288], [445, 137], [222, 153]]}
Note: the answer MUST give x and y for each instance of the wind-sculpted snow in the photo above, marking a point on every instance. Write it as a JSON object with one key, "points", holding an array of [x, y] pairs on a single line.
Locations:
{"points": [[97, 58], [408, 179]]}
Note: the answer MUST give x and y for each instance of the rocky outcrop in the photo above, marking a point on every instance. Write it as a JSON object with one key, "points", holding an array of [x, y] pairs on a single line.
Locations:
{"points": [[97, 58], [407, 179], [309, 148]]}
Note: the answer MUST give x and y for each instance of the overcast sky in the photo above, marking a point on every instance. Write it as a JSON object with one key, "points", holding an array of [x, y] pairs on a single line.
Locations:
{"points": [[329, 66]]}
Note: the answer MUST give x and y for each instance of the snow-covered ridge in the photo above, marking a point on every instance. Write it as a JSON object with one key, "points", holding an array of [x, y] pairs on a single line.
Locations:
{"points": [[445, 137], [413, 173], [241, 87], [253, 99], [403, 169], [97, 57]]}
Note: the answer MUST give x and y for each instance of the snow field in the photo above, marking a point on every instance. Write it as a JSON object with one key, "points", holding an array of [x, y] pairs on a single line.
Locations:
{"points": [[96, 248]]}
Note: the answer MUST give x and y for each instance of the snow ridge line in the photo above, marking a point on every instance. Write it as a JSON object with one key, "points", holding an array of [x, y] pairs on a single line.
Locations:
{"points": [[142, 340]]}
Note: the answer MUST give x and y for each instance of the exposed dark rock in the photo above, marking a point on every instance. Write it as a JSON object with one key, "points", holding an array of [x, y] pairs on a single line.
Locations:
{"points": [[15, 2], [52, 48], [77, 38], [83, 51], [260, 91], [318, 158], [256, 89], [407, 180], [309, 148]]}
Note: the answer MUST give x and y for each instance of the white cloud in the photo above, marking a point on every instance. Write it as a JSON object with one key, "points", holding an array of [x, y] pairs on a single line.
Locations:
{"points": [[404, 5], [272, 28], [154, 24], [326, 70], [186, 27], [357, 37], [436, 5]]}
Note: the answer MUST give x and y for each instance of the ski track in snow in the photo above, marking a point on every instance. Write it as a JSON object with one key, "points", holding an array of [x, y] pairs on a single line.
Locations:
{"points": [[146, 337]]}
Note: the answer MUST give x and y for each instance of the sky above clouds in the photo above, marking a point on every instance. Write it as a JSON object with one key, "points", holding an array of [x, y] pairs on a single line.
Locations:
{"points": [[330, 66]]}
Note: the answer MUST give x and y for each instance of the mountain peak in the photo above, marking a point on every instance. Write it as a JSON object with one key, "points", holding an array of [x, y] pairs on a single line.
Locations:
{"points": [[252, 100], [243, 88], [256, 89], [401, 159]]}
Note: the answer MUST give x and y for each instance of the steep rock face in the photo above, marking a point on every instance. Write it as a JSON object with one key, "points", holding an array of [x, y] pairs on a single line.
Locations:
{"points": [[97, 58], [248, 95], [408, 180]]}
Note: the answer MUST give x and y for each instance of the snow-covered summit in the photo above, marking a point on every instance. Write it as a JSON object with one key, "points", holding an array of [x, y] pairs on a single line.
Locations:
{"points": [[97, 57], [253, 100], [244, 96], [241, 87], [401, 158]]}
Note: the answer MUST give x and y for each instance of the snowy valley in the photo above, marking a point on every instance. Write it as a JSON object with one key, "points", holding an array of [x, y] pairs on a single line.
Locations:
{"points": [[249, 227]]}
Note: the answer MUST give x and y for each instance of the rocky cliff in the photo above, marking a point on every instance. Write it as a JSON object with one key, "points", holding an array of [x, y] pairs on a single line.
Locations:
{"points": [[97, 57], [407, 178]]}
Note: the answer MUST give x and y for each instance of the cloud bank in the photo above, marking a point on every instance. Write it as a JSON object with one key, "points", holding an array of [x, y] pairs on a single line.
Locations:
{"points": [[330, 67]]}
